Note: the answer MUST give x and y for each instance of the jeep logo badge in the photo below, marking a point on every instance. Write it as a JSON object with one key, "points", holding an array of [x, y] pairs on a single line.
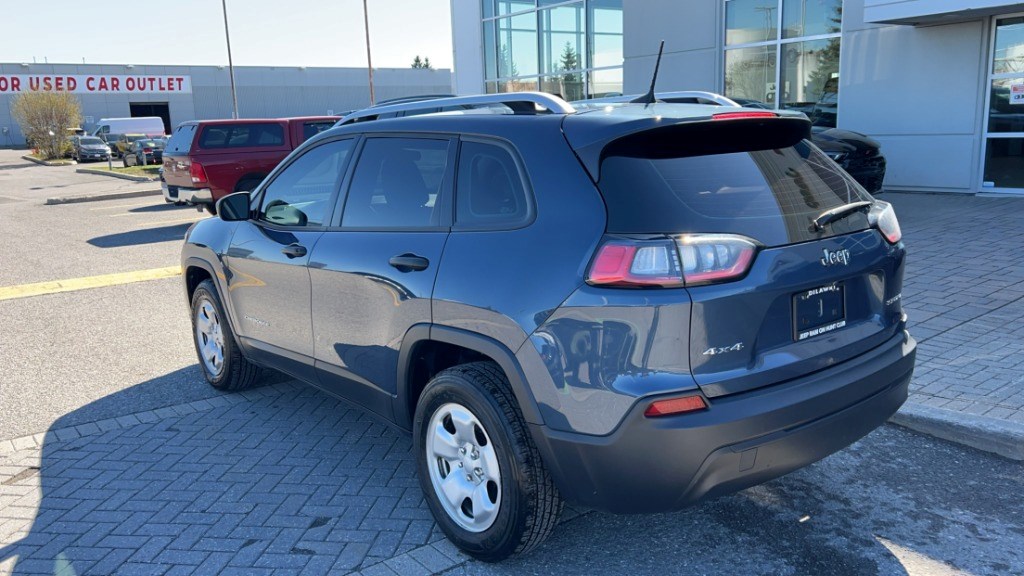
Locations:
{"points": [[833, 257]]}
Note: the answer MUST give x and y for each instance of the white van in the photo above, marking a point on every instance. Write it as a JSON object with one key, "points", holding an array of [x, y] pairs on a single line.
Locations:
{"points": [[110, 128]]}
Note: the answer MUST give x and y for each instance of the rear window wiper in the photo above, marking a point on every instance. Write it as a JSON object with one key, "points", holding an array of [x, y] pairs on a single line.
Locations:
{"points": [[839, 212]]}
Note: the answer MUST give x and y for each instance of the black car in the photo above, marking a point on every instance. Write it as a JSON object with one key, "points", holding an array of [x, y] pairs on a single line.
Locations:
{"points": [[628, 307], [857, 153], [85, 148], [144, 152]]}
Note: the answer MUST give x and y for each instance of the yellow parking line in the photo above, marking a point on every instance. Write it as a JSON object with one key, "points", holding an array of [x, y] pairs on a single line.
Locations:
{"points": [[150, 203], [56, 286]]}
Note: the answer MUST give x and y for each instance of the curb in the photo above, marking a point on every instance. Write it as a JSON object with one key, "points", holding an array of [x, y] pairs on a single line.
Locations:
{"points": [[99, 197], [980, 432], [101, 172], [49, 162]]}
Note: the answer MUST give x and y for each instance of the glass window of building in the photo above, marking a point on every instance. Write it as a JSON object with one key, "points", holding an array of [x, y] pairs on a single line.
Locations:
{"points": [[1004, 131], [571, 48], [785, 53]]}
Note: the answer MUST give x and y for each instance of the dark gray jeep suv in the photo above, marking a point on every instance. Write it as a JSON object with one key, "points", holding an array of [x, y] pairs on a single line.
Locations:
{"points": [[630, 307]]}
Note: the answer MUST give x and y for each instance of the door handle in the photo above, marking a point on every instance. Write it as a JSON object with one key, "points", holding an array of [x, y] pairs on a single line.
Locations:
{"points": [[294, 250], [409, 262]]}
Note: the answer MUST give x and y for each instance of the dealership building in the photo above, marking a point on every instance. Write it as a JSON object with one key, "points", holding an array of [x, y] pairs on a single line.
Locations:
{"points": [[181, 93], [939, 83]]}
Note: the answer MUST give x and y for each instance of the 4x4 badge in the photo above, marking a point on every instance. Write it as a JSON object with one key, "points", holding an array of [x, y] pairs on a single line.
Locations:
{"points": [[715, 351], [832, 257]]}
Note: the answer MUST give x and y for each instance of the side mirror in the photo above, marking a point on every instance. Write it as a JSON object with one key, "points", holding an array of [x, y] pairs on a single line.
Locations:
{"points": [[234, 207]]}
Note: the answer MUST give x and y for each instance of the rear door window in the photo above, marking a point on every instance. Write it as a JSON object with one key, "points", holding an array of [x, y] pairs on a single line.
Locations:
{"points": [[771, 196], [242, 135]]}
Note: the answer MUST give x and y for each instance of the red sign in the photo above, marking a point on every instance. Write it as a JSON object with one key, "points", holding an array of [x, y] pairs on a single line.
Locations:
{"points": [[95, 84]]}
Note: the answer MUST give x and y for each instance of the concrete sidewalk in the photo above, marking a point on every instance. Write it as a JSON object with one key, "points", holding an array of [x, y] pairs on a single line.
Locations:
{"points": [[964, 294], [24, 180]]}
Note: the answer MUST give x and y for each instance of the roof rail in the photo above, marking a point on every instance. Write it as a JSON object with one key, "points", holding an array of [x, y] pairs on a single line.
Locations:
{"points": [[666, 96], [518, 102], [415, 98]]}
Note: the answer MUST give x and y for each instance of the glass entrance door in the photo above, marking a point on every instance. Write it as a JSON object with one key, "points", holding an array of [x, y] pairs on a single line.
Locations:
{"points": [[1003, 169]]}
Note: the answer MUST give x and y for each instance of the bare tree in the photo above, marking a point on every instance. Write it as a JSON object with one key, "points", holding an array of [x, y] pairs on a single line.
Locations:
{"points": [[45, 118]]}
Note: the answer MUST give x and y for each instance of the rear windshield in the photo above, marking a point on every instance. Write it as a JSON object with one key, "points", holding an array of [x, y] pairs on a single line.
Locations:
{"points": [[772, 196], [181, 140], [310, 129], [242, 135]]}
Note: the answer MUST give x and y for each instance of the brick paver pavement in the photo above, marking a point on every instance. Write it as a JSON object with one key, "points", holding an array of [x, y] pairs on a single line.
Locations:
{"points": [[964, 294]]}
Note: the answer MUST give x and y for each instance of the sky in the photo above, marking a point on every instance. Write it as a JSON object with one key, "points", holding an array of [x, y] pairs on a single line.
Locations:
{"points": [[191, 32]]}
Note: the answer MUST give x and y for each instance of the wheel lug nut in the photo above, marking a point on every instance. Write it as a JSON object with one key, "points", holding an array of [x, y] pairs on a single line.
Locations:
{"points": [[462, 451], [460, 464], [469, 477], [479, 472]]}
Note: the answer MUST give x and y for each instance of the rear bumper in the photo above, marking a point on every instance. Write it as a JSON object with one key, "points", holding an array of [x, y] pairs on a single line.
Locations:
{"points": [[190, 195], [664, 464]]}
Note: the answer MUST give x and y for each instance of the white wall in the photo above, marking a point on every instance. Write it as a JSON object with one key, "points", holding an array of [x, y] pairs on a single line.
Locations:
{"points": [[920, 92], [692, 58], [467, 47]]}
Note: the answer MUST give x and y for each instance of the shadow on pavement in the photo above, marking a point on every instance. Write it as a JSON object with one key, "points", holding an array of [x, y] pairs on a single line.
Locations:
{"points": [[141, 236], [291, 478], [162, 207]]}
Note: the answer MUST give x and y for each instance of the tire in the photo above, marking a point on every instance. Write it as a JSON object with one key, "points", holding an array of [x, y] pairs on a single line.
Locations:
{"points": [[526, 504], [234, 372], [124, 160]]}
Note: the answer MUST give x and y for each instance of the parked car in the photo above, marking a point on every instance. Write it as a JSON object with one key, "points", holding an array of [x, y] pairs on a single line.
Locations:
{"points": [[124, 142], [144, 152], [84, 148], [110, 129], [209, 159], [858, 154], [631, 308]]}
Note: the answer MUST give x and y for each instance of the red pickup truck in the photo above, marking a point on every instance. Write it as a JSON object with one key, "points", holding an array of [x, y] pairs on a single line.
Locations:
{"points": [[208, 159]]}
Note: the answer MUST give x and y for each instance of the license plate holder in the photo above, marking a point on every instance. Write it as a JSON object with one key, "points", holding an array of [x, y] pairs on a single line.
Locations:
{"points": [[819, 311]]}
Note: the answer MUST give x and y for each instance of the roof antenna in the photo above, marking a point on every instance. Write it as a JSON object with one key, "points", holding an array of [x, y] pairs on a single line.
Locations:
{"points": [[649, 97]]}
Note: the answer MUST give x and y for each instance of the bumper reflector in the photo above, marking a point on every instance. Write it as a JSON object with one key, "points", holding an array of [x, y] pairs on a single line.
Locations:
{"points": [[675, 406]]}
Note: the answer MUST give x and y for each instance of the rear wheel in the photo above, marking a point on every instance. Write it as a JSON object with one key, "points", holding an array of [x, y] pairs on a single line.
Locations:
{"points": [[247, 185], [220, 359], [480, 472]]}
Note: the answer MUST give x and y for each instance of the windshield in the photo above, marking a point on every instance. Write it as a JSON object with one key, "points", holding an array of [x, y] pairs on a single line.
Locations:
{"points": [[91, 142], [772, 196], [134, 138]]}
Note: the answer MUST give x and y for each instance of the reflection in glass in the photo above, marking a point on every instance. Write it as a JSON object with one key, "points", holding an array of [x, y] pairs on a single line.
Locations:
{"points": [[518, 85], [562, 38], [568, 86], [517, 45], [750, 73], [806, 68], [606, 83], [1004, 162], [513, 6], [1009, 55], [751, 21], [605, 21], [811, 17], [1002, 115]]}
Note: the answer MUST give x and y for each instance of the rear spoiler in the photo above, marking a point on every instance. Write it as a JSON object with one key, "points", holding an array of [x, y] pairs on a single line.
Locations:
{"points": [[722, 133]]}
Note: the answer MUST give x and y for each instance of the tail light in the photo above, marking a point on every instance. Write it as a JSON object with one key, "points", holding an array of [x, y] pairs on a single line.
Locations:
{"points": [[197, 172], [883, 217], [688, 260], [147, 150]]}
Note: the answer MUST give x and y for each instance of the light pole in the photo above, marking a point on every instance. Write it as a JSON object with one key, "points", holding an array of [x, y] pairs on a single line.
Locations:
{"points": [[369, 61], [231, 65]]}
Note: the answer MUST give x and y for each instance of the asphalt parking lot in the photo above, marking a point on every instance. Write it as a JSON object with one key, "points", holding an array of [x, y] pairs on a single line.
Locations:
{"points": [[139, 467]]}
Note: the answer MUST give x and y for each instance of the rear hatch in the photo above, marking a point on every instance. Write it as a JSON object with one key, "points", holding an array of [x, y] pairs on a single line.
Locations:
{"points": [[806, 296]]}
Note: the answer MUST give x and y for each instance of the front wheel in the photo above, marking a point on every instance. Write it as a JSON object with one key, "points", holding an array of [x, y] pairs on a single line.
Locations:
{"points": [[480, 471], [220, 359]]}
